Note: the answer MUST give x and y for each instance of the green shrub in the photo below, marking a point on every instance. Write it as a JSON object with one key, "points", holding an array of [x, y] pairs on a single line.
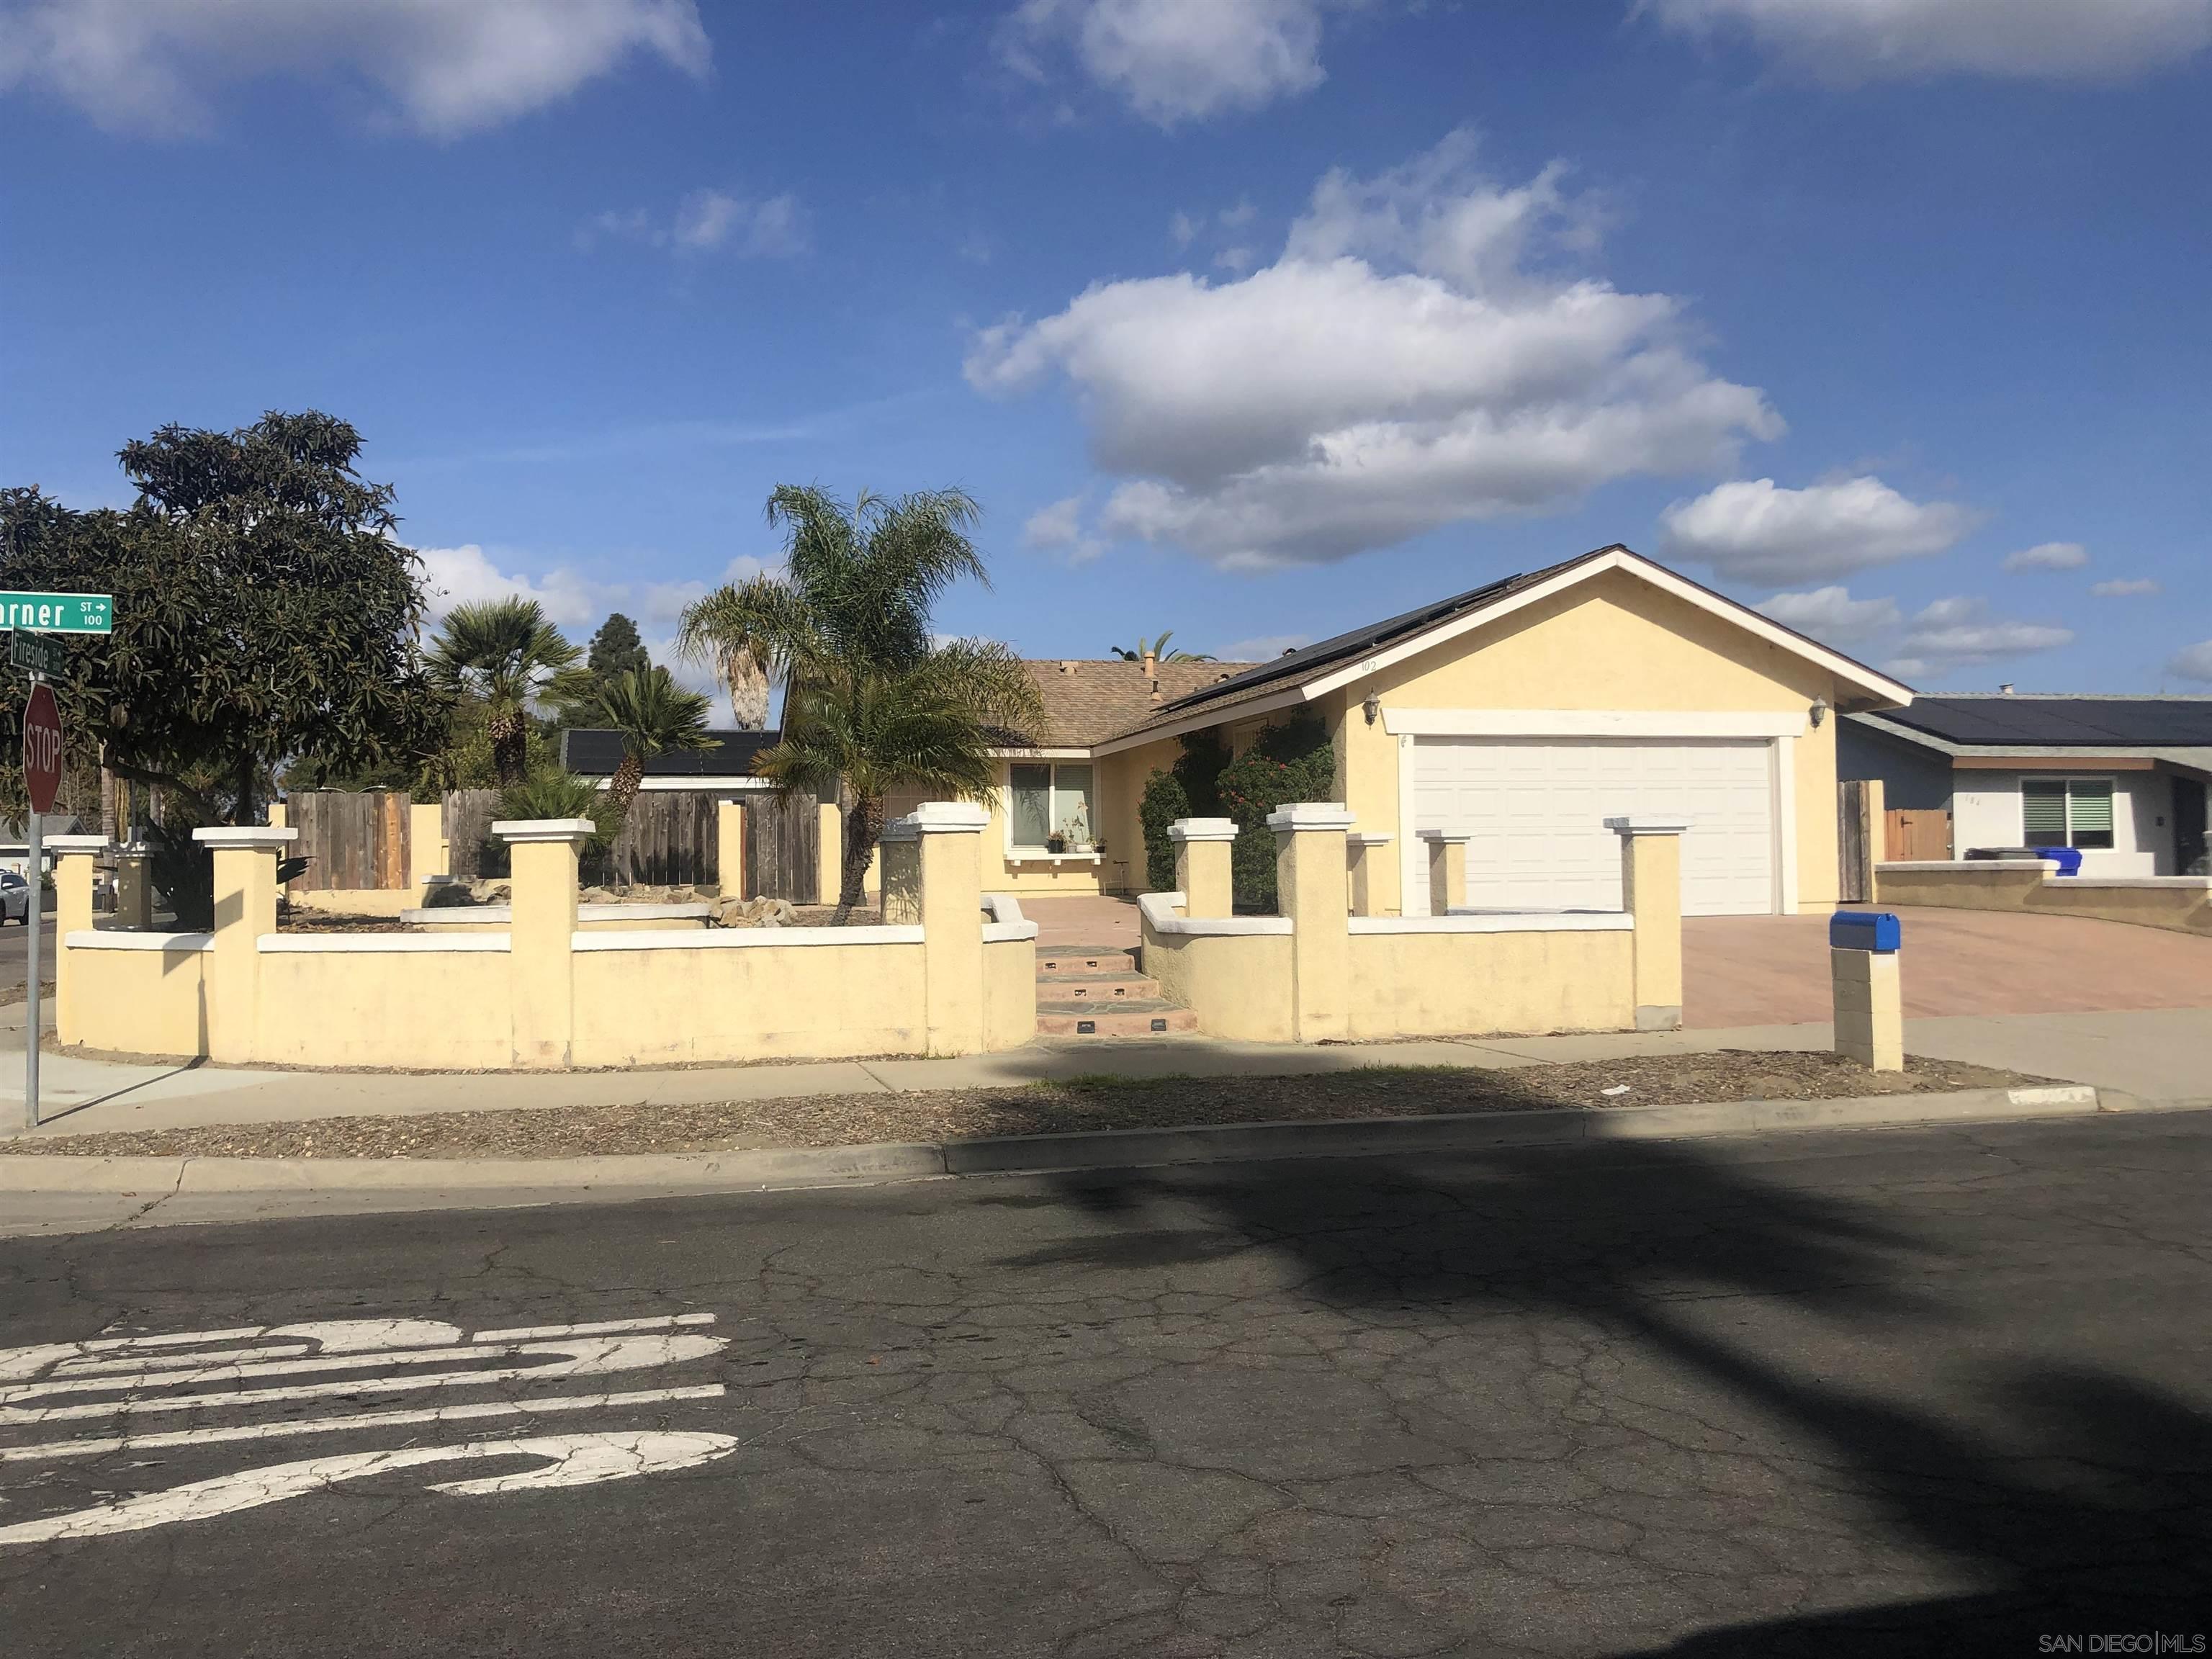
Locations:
{"points": [[1289, 763], [1164, 802], [182, 872], [1199, 769], [551, 793]]}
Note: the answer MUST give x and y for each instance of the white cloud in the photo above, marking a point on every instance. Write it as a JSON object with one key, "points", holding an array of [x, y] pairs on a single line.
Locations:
{"points": [[1831, 614], [2195, 663], [1239, 259], [1956, 633], [437, 67], [1401, 365], [1752, 530], [1854, 40], [708, 221], [2049, 555], [1181, 229], [2128, 588], [1059, 529], [1263, 647], [1176, 60]]}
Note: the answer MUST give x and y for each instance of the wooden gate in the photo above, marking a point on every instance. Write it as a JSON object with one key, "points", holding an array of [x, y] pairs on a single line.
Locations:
{"points": [[1913, 835], [469, 814], [783, 840], [352, 843], [668, 840], [1855, 844]]}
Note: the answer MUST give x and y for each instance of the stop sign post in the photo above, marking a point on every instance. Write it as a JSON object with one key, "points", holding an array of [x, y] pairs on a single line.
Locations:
{"points": [[42, 778]]}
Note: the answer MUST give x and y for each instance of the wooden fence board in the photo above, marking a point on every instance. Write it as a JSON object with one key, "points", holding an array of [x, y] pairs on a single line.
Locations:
{"points": [[1855, 840], [782, 848], [352, 842], [469, 814], [668, 840], [1915, 835]]}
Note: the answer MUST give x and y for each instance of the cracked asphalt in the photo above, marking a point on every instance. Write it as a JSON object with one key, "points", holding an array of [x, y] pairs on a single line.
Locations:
{"points": [[1897, 1392]]}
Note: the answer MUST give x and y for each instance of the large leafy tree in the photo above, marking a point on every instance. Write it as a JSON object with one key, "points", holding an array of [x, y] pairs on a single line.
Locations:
{"points": [[506, 655], [873, 701], [653, 714], [616, 650], [265, 612]]}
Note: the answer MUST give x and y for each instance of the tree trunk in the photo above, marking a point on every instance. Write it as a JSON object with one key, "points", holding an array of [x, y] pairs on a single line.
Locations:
{"points": [[108, 815], [748, 684], [510, 744], [864, 828], [623, 790]]}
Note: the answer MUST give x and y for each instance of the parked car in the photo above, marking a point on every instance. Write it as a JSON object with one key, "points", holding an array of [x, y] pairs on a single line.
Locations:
{"points": [[14, 898]]}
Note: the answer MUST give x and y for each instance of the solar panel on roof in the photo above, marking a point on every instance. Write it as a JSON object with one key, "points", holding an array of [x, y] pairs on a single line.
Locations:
{"points": [[2061, 722]]}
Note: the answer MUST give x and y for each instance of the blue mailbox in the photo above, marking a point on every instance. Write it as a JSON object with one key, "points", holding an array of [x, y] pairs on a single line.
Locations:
{"points": [[1863, 930]]}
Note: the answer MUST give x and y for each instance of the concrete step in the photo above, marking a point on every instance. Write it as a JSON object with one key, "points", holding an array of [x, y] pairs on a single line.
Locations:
{"points": [[1097, 987], [1056, 961], [1148, 1018]]}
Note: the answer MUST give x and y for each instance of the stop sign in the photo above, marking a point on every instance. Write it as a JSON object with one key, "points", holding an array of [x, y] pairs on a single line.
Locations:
{"points": [[42, 748]]}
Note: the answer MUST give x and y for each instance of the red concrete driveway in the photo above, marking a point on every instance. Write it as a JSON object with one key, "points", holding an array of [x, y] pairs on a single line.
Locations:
{"points": [[1773, 970]]}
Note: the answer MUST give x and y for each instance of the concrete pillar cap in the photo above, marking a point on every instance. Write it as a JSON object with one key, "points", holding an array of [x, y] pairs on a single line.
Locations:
{"points": [[942, 817], [1647, 826], [74, 843], [528, 829], [1447, 836], [1310, 815], [1202, 829], [223, 836], [1369, 838]]}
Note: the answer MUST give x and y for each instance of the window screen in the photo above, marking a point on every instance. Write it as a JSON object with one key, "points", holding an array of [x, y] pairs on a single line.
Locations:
{"points": [[1032, 793], [2043, 812], [1072, 815], [2089, 812]]}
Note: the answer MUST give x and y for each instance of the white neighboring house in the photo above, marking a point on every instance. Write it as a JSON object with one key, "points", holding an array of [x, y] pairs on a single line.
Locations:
{"points": [[2121, 779]]}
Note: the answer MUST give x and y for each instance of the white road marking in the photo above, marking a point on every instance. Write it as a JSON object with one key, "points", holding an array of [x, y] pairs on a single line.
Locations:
{"points": [[471, 1412], [579, 1357], [572, 1460], [604, 1327]]}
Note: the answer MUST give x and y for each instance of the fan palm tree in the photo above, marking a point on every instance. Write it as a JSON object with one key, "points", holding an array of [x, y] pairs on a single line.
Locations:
{"points": [[714, 634], [873, 701], [1157, 650], [653, 714], [507, 653]]}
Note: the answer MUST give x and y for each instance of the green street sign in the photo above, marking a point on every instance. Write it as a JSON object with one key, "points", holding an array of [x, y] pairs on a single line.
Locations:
{"points": [[59, 613], [38, 653]]}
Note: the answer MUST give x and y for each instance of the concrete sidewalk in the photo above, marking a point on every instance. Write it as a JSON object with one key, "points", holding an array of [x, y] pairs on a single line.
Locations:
{"points": [[2161, 1054]]}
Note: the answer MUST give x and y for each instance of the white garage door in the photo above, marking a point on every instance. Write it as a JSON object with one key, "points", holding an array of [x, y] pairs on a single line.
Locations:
{"points": [[1537, 809]]}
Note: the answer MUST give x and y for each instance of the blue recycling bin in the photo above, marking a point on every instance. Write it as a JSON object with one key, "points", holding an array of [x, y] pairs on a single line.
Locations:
{"points": [[2068, 859]]}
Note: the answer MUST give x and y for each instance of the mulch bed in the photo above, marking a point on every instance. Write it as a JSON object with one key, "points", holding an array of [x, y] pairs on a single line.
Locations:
{"points": [[301, 920], [1090, 1102]]}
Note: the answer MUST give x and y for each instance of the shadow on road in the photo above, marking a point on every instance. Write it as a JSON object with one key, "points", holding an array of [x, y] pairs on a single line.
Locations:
{"points": [[2082, 1496]]}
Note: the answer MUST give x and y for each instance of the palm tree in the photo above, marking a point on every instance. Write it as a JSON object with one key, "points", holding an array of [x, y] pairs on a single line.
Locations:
{"points": [[1157, 651], [714, 634], [653, 714], [507, 653], [873, 701]]}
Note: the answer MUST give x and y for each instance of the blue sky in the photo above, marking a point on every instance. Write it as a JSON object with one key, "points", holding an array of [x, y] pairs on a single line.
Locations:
{"points": [[1250, 319]]}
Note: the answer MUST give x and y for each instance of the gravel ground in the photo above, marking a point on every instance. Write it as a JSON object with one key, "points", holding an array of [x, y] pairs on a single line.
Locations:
{"points": [[1094, 1103]]}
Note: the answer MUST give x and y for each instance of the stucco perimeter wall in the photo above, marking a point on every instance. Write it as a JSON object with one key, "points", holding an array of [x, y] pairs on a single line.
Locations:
{"points": [[439, 1010], [2180, 904], [1452, 984], [1614, 643], [1238, 985], [1010, 1016], [657, 1007], [148, 998]]}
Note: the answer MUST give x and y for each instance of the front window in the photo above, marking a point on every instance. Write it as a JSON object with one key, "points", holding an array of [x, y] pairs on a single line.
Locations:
{"points": [[2066, 813], [1052, 800]]}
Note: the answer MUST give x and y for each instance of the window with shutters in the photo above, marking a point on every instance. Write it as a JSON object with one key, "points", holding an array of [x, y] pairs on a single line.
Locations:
{"points": [[2066, 813]]}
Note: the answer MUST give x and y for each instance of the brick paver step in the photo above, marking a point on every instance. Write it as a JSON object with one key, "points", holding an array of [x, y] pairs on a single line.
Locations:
{"points": [[1150, 1017], [1097, 987], [1055, 961]]}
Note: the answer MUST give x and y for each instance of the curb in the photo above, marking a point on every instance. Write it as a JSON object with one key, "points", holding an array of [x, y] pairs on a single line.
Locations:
{"points": [[154, 1179]]}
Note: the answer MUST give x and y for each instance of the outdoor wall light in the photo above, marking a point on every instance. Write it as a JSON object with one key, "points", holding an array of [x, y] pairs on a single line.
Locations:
{"points": [[1818, 711], [1373, 706]]}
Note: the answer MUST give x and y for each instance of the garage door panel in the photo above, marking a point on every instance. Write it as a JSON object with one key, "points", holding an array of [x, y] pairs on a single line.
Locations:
{"points": [[1535, 812]]}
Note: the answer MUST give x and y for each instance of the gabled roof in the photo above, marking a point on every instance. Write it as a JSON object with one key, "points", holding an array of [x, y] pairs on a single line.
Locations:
{"points": [[1300, 676], [595, 754], [1087, 700], [2004, 719]]}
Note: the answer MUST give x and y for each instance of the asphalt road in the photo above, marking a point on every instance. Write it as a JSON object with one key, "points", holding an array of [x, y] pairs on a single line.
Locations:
{"points": [[15, 956], [1887, 1393]]}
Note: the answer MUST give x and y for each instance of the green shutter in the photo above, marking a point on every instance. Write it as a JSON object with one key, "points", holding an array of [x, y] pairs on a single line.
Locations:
{"points": [[2043, 812], [2089, 812]]}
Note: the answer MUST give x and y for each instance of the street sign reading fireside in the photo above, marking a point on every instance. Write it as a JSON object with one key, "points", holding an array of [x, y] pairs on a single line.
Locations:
{"points": [[59, 613], [42, 752], [38, 653]]}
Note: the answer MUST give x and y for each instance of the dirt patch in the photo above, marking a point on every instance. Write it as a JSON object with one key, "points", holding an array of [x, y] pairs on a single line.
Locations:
{"points": [[1093, 1103], [301, 920]]}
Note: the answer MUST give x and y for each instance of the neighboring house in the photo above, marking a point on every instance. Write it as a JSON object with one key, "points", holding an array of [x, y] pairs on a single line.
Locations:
{"points": [[2121, 778], [1523, 713], [727, 766]]}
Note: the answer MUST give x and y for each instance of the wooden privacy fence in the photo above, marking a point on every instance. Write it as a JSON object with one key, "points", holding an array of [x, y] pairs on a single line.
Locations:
{"points": [[469, 814], [668, 840], [671, 839], [351, 841], [1913, 835], [783, 838], [1856, 852]]}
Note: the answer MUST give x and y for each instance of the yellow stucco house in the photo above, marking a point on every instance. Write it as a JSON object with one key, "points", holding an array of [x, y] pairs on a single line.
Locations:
{"points": [[1521, 715]]}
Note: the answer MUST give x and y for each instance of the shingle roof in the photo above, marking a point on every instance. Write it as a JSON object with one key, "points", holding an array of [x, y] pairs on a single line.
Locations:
{"points": [[1087, 701], [595, 754], [2004, 719]]}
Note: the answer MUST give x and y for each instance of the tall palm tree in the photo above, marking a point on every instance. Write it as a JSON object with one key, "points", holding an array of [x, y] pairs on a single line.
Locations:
{"points": [[653, 714], [1157, 650], [507, 653], [714, 634], [873, 701]]}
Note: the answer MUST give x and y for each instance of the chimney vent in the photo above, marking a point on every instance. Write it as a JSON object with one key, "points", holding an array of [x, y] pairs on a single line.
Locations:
{"points": [[2005, 690], [1151, 664]]}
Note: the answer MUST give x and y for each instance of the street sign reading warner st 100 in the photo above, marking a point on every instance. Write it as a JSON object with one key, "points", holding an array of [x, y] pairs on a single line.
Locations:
{"points": [[59, 613]]}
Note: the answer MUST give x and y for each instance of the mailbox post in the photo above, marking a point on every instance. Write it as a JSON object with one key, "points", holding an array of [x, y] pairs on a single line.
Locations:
{"points": [[1862, 961]]}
